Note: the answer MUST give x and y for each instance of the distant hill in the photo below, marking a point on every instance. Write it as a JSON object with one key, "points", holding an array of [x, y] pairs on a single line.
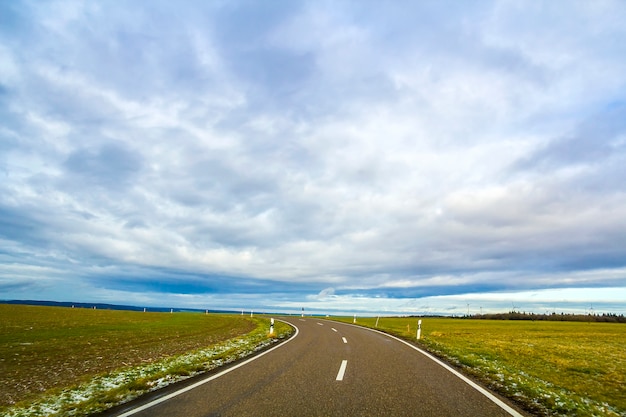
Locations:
{"points": [[104, 306]]}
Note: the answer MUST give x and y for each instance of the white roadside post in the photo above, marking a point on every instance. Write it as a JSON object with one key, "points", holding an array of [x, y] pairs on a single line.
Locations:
{"points": [[419, 329], [271, 326], [354, 321], [377, 318], [251, 313]]}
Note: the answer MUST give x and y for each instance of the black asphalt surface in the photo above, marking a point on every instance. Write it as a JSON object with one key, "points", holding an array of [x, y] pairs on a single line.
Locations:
{"points": [[383, 377]]}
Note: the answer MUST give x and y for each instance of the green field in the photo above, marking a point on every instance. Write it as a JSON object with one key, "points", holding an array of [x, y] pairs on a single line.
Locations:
{"points": [[551, 368], [44, 350]]}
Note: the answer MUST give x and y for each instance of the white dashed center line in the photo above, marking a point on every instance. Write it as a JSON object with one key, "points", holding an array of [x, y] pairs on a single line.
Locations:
{"points": [[333, 329], [344, 340], [342, 370]]}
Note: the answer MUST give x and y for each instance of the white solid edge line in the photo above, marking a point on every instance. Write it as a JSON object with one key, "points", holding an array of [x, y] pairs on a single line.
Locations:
{"points": [[468, 381], [211, 378], [342, 370]]}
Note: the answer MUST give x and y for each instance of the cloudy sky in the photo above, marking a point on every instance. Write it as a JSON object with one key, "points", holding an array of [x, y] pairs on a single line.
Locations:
{"points": [[341, 156]]}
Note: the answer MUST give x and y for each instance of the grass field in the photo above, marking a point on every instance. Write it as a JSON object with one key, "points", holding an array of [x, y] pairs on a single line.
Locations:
{"points": [[44, 350], [552, 368]]}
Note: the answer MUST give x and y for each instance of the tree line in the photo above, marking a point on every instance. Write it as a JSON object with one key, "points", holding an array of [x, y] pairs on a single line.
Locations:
{"points": [[517, 315]]}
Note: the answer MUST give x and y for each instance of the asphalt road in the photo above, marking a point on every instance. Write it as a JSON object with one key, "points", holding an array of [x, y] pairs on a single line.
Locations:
{"points": [[330, 369]]}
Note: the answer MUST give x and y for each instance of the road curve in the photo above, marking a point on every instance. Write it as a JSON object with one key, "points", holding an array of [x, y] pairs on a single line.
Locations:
{"points": [[329, 369]]}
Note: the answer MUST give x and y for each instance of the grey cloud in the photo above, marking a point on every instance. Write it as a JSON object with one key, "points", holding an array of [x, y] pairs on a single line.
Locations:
{"points": [[140, 53], [18, 286], [530, 230], [18, 224], [248, 21], [220, 181], [111, 166], [244, 33], [594, 142]]}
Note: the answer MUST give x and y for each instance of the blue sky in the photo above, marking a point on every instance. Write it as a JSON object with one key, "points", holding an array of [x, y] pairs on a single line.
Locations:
{"points": [[341, 156]]}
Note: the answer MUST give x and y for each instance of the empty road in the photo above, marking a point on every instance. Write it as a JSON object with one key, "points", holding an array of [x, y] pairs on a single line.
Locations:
{"points": [[330, 369]]}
